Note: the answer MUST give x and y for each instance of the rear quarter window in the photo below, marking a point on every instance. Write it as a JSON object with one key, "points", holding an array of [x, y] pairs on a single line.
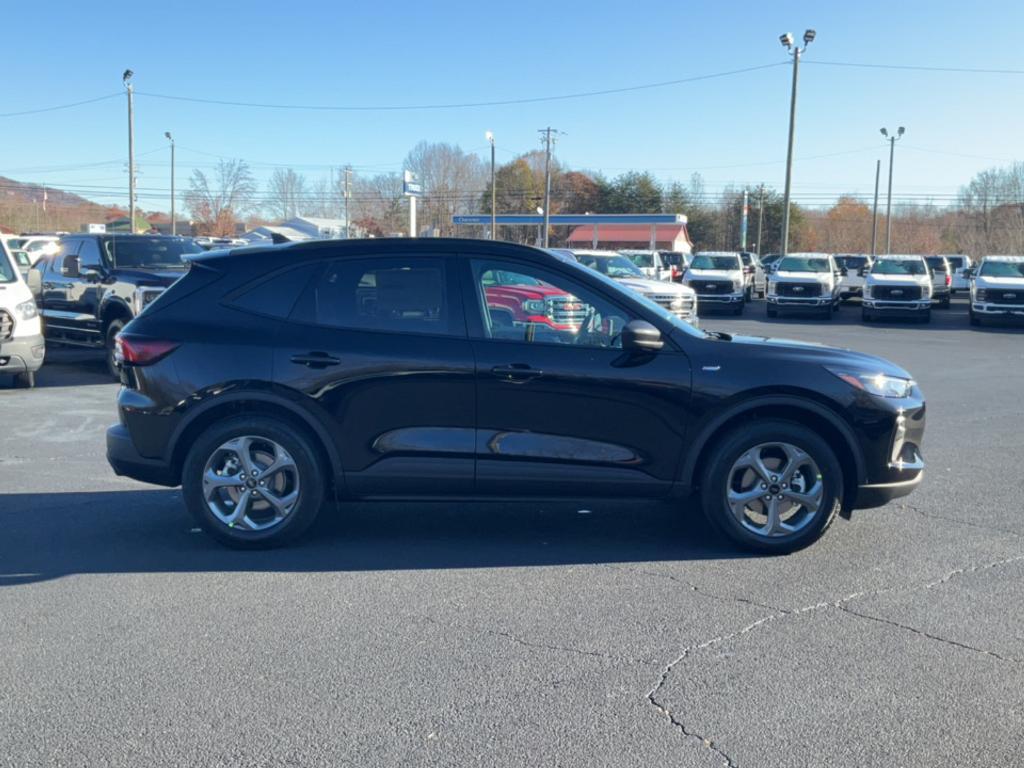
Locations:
{"points": [[276, 296]]}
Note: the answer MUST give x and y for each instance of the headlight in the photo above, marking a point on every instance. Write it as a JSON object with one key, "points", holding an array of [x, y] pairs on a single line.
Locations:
{"points": [[876, 383], [143, 297], [867, 292], [772, 289], [534, 306], [27, 309], [981, 294], [677, 303]]}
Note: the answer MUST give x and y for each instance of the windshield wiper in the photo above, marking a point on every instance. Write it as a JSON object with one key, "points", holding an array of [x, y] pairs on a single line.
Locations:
{"points": [[719, 335]]}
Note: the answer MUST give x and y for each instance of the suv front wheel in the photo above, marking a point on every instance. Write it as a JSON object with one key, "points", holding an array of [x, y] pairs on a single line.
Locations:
{"points": [[253, 482], [773, 487]]}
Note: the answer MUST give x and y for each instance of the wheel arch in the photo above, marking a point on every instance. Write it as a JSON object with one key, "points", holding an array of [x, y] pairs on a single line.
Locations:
{"points": [[255, 403], [112, 309], [809, 413]]}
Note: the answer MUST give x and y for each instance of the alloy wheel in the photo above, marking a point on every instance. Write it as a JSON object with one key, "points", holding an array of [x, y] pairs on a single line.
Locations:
{"points": [[774, 490], [250, 483]]}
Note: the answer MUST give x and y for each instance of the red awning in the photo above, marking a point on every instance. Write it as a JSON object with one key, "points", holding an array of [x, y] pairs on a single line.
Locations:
{"points": [[627, 233]]}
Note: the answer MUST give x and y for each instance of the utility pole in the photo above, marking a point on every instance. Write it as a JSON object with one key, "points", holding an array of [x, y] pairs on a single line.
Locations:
{"points": [[760, 218], [348, 194], [126, 79], [743, 222], [874, 212], [174, 223], [494, 191], [547, 181], [888, 201], [795, 52]]}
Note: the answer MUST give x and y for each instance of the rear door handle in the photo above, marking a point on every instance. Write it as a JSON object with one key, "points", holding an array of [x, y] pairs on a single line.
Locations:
{"points": [[516, 372], [316, 360]]}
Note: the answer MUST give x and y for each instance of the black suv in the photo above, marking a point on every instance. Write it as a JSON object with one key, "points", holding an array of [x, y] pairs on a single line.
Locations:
{"points": [[270, 380], [95, 284]]}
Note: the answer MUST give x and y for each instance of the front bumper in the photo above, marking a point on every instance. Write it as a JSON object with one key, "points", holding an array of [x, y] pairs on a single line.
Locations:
{"points": [[126, 461], [1004, 310], [23, 354], [915, 307], [720, 299], [892, 451], [816, 303]]}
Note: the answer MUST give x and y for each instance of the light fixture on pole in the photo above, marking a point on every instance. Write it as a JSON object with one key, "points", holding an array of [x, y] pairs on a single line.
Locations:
{"points": [[796, 52], [126, 79], [174, 223], [888, 201], [494, 196]]}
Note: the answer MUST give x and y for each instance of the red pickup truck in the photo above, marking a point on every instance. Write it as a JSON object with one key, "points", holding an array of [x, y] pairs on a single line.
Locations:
{"points": [[517, 300]]}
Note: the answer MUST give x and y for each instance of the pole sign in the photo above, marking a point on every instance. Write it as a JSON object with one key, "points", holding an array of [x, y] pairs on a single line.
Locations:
{"points": [[411, 186]]}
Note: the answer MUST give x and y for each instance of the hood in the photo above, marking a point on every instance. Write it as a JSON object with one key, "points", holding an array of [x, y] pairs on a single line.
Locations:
{"points": [[713, 274], [527, 291], [159, 277], [812, 352], [1009, 283], [641, 285], [900, 279], [803, 277]]}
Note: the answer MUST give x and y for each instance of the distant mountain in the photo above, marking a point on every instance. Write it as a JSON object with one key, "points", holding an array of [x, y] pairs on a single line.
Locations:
{"points": [[19, 191]]}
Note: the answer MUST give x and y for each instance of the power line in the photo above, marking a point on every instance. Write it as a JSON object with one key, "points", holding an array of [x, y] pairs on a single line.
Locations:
{"points": [[915, 67], [463, 105], [60, 106]]}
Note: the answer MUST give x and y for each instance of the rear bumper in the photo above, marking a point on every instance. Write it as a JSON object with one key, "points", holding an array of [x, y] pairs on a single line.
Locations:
{"points": [[22, 354], [126, 461]]}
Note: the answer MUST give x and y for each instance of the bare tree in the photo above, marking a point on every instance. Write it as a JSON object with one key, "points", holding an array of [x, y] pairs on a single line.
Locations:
{"points": [[216, 204], [286, 194], [452, 182], [378, 206]]}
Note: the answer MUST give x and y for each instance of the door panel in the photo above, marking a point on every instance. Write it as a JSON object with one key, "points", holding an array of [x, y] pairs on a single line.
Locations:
{"points": [[400, 402], [569, 412]]}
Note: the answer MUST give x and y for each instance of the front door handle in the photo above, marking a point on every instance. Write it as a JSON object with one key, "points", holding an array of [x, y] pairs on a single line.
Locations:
{"points": [[516, 372], [316, 360]]}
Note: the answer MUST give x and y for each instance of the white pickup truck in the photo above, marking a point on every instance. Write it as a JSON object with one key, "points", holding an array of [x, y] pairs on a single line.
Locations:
{"points": [[898, 286], [997, 288], [854, 265], [804, 282]]}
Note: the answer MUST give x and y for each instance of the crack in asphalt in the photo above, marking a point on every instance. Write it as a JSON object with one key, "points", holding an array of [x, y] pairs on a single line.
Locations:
{"points": [[981, 526], [840, 604]]}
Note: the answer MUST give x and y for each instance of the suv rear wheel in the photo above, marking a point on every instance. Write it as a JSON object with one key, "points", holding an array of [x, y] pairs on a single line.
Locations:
{"points": [[773, 487], [253, 482]]}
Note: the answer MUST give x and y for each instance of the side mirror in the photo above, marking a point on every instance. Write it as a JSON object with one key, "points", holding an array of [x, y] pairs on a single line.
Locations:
{"points": [[70, 267], [35, 281], [969, 272], [862, 271], [91, 274], [844, 271], [639, 335]]}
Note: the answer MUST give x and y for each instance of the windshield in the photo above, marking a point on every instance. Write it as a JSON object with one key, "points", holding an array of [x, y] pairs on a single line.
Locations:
{"points": [[899, 267], [700, 261], [156, 251], [644, 260], [852, 262], [1002, 269], [613, 266], [805, 264]]}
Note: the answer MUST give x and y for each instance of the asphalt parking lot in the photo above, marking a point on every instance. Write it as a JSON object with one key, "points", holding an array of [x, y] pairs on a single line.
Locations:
{"points": [[529, 634]]}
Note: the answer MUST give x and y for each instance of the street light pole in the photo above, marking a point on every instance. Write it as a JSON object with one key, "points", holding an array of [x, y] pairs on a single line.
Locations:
{"points": [[494, 193], [126, 79], [888, 202], [795, 52], [174, 223], [874, 212], [760, 218]]}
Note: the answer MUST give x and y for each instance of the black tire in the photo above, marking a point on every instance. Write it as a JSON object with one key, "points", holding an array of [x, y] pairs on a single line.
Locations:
{"points": [[115, 327], [731, 446], [739, 310], [771, 311], [926, 317], [975, 320], [866, 316], [25, 380], [312, 479]]}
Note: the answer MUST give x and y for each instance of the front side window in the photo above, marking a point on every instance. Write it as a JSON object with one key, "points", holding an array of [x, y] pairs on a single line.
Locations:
{"points": [[396, 294], [613, 266], [899, 267], [642, 260], [523, 303]]}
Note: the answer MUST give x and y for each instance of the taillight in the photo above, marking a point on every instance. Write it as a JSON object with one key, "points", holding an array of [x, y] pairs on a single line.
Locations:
{"points": [[949, 280], [675, 272], [136, 350]]}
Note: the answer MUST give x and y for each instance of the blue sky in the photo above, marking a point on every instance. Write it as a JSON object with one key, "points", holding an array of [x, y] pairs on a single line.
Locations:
{"points": [[733, 129]]}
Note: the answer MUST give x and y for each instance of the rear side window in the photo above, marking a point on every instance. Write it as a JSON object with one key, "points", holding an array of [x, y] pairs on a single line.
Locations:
{"points": [[397, 294], [276, 295]]}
